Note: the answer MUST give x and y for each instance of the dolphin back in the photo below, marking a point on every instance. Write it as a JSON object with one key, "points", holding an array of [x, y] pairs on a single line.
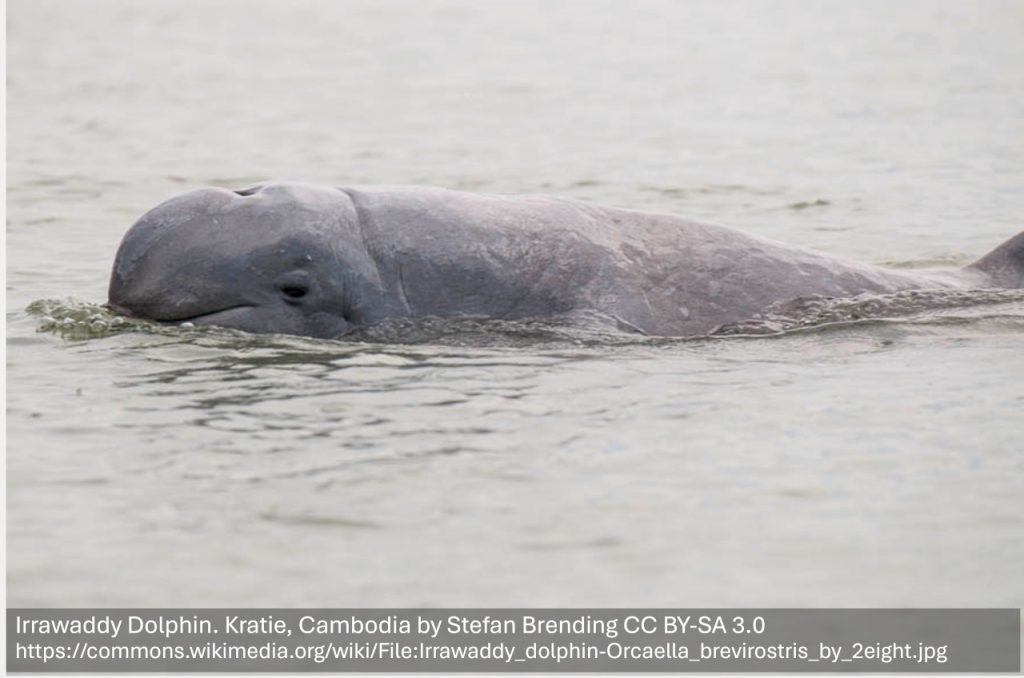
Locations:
{"points": [[1005, 264]]}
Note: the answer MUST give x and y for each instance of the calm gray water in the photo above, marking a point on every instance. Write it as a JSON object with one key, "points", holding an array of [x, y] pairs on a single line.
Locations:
{"points": [[875, 463]]}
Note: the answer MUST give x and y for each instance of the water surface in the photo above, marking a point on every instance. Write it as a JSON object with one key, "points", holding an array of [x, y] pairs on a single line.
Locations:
{"points": [[866, 463]]}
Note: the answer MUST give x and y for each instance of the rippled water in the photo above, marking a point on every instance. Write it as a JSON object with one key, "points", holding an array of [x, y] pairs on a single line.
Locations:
{"points": [[874, 460]]}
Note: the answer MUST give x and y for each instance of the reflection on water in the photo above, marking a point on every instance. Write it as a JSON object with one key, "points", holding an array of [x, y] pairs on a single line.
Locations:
{"points": [[835, 452]]}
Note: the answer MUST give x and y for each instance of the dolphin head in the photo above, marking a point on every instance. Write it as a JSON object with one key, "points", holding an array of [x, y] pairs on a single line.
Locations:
{"points": [[276, 258]]}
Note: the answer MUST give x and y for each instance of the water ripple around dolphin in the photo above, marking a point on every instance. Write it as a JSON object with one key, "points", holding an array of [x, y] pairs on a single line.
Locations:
{"points": [[79, 321]]}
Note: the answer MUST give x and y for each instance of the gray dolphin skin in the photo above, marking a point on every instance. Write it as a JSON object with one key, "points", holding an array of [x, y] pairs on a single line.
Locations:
{"points": [[310, 260]]}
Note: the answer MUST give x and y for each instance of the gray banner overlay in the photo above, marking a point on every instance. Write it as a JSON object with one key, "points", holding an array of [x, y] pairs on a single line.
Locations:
{"points": [[512, 640]]}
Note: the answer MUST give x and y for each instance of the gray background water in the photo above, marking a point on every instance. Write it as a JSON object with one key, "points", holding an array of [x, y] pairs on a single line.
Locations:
{"points": [[878, 464]]}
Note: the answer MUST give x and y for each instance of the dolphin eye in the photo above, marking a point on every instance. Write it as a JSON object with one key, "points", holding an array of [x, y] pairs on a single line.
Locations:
{"points": [[294, 290], [294, 286]]}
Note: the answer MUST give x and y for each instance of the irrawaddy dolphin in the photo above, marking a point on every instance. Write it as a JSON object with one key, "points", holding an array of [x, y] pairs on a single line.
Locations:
{"points": [[300, 259]]}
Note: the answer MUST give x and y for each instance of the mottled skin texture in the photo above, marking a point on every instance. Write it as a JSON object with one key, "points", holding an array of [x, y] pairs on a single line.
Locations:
{"points": [[313, 260]]}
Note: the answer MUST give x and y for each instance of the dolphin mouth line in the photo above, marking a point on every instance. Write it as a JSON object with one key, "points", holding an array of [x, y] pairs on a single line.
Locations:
{"points": [[184, 319], [200, 316]]}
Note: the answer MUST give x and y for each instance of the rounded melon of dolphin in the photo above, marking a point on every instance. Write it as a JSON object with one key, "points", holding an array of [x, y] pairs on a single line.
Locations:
{"points": [[300, 259]]}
